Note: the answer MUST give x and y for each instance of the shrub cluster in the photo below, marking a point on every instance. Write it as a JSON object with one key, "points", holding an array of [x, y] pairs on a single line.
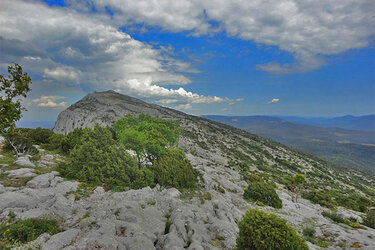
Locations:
{"points": [[263, 192], [370, 218], [99, 156], [27, 230], [259, 230], [174, 170]]}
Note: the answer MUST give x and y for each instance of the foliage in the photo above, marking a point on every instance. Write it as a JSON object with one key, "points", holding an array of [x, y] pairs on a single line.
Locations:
{"points": [[55, 142], [174, 170], [309, 232], [370, 218], [40, 135], [264, 192], [147, 136], [27, 230], [259, 230], [19, 141], [319, 197], [97, 159], [17, 84]]}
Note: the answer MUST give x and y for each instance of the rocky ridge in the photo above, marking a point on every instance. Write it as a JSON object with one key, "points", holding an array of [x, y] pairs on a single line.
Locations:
{"points": [[162, 218]]}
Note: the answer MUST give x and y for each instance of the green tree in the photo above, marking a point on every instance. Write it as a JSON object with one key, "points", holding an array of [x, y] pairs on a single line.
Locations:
{"points": [[370, 218], [298, 184], [12, 89], [259, 230], [174, 170], [147, 136]]}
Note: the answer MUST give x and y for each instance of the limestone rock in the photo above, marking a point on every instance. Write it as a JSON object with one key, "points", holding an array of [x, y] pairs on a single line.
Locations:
{"points": [[40, 181], [61, 240], [24, 161], [21, 173]]}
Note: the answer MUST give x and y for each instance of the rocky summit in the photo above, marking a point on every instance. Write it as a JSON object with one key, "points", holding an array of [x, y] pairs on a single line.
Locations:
{"points": [[166, 218]]}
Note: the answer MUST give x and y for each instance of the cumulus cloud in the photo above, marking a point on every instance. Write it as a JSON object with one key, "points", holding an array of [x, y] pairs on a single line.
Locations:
{"points": [[148, 89], [73, 47], [50, 102], [274, 100], [308, 30]]}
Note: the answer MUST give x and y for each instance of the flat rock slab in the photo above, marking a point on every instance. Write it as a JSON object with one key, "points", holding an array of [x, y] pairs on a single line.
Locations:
{"points": [[21, 173], [61, 240]]}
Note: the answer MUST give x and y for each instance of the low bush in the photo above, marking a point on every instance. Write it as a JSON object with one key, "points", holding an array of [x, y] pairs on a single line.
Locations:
{"points": [[259, 230], [264, 192], [173, 169], [27, 230]]}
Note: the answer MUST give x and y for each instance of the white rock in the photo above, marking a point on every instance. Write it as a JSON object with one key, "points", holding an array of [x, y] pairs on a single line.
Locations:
{"points": [[24, 161], [20, 173], [40, 181], [61, 240], [99, 190]]}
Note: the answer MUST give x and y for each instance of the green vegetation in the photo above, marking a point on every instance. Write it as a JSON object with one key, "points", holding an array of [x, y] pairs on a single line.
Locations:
{"points": [[174, 170], [21, 231], [16, 85], [99, 156], [370, 218], [147, 136], [263, 192], [259, 230], [98, 159]]}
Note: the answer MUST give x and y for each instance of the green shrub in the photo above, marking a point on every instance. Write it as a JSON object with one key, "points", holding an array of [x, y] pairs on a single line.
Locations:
{"points": [[19, 141], [309, 232], [28, 230], [55, 141], [98, 159], [335, 217], [370, 218], [264, 192], [259, 230], [322, 198], [174, 170], [40, 135]]}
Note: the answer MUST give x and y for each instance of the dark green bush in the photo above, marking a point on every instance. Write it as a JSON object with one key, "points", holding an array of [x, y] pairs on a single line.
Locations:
{"points": [[335, 217], [55, 142], [370, 218], [98, 159], [28, 230], [259, 230], [264, 192], [309, 232], [19, 142], [174, 170], [40, 135]]}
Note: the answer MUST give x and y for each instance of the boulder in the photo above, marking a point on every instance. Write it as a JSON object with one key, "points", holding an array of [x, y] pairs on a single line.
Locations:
{"points": [[2, 189], [24, 161]]}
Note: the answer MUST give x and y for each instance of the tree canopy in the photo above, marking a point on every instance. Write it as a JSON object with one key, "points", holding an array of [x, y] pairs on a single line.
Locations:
{"points": [[16, 84], [147, 136]]}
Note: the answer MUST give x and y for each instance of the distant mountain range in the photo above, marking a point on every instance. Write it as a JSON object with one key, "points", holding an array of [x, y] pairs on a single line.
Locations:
{"points": [[352, 148], [365, 122]]}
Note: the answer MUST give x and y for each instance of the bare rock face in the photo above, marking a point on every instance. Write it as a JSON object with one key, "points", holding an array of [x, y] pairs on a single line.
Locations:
{"points": [[105, 108]]}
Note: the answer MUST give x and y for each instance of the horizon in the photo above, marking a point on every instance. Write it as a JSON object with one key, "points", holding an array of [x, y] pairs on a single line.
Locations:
{"points": [[203, 60]]}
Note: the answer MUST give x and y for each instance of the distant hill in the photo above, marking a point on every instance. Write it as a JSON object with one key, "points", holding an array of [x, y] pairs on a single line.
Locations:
{"points": [[342, 146], [365, 122]]}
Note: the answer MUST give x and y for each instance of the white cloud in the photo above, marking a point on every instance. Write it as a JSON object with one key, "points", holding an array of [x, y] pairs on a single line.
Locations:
{"points": [[61, 74], [148, 89], [274, 100], [309, 30], [50, 102], [184, 106], [90, 51]]}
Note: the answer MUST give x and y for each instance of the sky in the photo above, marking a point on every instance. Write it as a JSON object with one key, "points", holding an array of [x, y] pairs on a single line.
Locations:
{"points": [[228, 57]]}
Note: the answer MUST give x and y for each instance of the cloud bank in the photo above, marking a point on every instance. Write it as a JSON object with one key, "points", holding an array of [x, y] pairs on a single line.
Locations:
{"points": [[72, 48], [308, 30], [274, 100]]}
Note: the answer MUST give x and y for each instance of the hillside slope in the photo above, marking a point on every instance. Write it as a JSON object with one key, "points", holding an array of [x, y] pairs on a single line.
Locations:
{"points": [[165, 218], [352, 148]]}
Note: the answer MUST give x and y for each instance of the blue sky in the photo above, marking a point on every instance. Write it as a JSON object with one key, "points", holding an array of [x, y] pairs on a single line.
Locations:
{"points": [[274, 58]]}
